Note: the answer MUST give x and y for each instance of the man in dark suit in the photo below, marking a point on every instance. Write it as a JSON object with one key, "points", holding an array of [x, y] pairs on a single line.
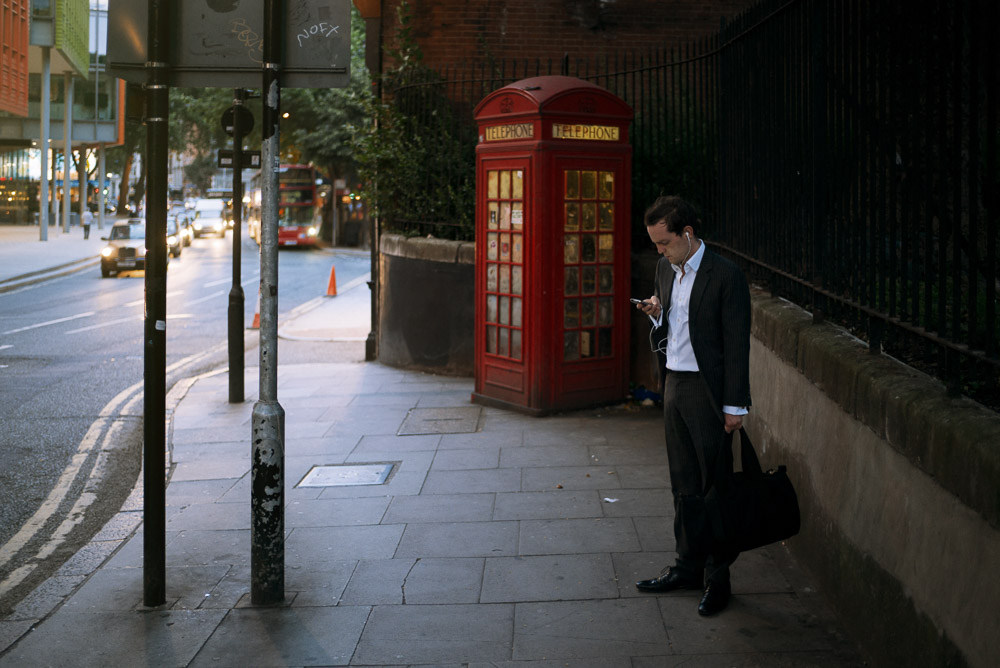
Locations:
{"points": [[701, 333]]}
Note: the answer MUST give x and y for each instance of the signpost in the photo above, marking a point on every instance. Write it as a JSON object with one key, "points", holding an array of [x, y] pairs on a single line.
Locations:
{"points": [[210, 43]]}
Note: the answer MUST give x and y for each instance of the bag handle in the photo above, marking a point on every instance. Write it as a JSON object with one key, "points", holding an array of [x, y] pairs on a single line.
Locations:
{"points": [[748, 459]]}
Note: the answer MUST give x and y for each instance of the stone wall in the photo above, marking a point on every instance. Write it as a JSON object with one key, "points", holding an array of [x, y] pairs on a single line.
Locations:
{"points": [[426, 304]]}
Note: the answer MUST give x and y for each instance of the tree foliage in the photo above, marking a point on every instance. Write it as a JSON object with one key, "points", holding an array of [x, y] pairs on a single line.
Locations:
{"points": [[416, 168]]}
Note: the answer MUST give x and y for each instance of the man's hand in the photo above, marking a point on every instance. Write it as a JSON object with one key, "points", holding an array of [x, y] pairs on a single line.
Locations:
{"points": [[733, 422], [651, 307]]}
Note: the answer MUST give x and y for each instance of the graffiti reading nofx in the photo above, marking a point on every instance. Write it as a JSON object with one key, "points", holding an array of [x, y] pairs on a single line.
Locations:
{"points": [[324, 29]]}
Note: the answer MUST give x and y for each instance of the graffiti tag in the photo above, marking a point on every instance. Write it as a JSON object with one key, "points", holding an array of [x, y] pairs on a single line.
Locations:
{"points": [[323, 29]]}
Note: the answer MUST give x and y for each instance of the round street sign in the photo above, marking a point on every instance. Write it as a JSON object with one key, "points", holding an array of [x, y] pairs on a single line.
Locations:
{"points": [[234, 115]]}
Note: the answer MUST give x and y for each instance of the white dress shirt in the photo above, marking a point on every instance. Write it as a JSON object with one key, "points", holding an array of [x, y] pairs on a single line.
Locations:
{"points": [[679, 351]]}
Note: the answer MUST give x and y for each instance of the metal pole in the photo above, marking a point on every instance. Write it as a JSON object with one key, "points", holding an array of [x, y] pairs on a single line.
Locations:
{"points": [[267, 496], [102, 196], [43, 146], [236, 297], [155, 341], [67, 150]]}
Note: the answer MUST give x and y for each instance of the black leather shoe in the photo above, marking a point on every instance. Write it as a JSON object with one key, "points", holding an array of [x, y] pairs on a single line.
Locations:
{"points": [[715, 599], [669, 581]]}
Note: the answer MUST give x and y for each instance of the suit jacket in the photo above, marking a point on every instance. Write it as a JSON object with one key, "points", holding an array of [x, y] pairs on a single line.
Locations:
{"points": [[719, 323]]}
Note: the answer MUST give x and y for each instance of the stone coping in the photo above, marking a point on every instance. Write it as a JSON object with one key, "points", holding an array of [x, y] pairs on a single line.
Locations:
{"points": [[428, 248]]}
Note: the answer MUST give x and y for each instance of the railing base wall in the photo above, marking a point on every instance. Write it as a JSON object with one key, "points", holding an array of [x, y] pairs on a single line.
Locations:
{"points": [[903, 546]]}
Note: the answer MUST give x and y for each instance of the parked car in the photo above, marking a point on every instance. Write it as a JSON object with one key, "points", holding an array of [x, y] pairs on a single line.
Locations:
{"points": [[126, 249], [209, 217]]}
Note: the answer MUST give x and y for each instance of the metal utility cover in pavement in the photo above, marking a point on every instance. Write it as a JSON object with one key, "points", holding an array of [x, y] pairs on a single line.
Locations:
{"points": [[464, 420], [346, 475]]}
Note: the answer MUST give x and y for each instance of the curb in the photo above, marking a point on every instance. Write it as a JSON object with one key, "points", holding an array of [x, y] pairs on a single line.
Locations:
{"points": [[41, 275]]}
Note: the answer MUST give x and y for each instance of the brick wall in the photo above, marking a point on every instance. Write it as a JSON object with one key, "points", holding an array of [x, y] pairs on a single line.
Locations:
{"points": [[450, 32]]}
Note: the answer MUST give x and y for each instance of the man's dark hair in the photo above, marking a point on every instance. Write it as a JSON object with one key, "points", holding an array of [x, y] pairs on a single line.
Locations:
{"points": [[675, 212]]}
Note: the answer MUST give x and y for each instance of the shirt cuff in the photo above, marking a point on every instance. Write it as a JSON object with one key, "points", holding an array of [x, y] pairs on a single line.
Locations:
{"points": [[735, 410]]}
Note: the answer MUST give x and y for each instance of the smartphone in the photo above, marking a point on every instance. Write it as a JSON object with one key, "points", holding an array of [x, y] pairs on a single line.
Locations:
{"points": [[640, 301]]}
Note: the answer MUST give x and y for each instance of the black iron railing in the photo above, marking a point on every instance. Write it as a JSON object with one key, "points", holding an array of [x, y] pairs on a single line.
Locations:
{"points": [[843, 151]]}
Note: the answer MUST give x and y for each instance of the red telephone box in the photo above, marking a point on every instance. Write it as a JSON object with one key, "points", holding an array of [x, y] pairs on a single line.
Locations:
{"points": [[553, 199]]}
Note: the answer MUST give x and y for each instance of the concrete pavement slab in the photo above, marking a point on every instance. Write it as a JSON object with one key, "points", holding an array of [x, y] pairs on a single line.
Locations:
{"points": [[441, 508], [149, 638], [435, 634], [551, 504], [562, 577], [587, 629], [459, 539], [296, 636]]}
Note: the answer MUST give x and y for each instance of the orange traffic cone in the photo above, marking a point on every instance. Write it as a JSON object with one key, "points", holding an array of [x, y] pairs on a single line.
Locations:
{"points": [[331, 288], [256, 313]]}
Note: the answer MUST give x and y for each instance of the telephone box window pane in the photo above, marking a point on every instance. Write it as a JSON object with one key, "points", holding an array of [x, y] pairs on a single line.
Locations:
{"points": [[515, 312], [588, 315], [515, 344], [571, 345], [517, 248], [586, 344], [588, 185], [572, 184], [517, 185], [504, 215], [491, 308], [571, 281], [571, 314], [607, 216], [607, 185], [572, 217], [492, 244], [491, 277], [604, 343], [492, 179], [505, 247], [505, 342], [606, 243], [491, 339], [494, 219], [517, 281], [589, 248], [571, 249], [589, 216], [606, 279], [589, 280], [505, 310], [504, 278], [605, 311], [517, 216], [505, 184]]}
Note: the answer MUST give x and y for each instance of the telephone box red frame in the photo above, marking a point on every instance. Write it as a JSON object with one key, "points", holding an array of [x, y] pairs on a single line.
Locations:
{"points": [[553, 210]]}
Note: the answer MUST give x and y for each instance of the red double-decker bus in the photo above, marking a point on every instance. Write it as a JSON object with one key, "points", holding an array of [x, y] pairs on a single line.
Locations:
{"points": [[300, 208]]}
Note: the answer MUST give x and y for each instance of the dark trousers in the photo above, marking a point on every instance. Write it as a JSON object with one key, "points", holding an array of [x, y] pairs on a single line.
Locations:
{"points": [[695, 439]]}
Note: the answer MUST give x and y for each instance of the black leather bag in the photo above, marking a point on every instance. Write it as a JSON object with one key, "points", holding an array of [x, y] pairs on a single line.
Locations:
{"points": [[750, 508]]}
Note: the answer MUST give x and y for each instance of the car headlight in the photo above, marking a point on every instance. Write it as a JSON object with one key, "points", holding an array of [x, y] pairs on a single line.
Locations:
{"points": [[311, 231], [107, 251], [171, 241], [197, 226]]}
